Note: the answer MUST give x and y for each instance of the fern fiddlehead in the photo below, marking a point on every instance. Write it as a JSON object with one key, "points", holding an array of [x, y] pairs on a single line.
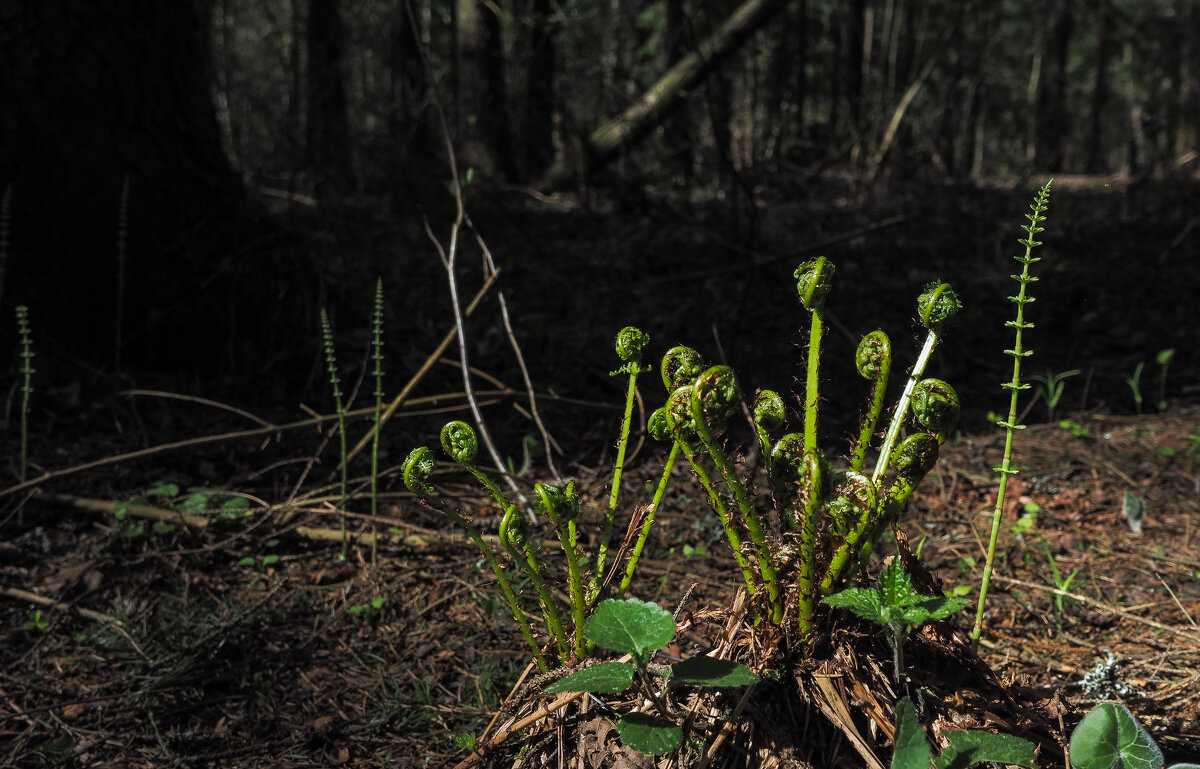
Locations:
{"points": [[461, 443], [874, 362], [935, 307], [629, 345], [713, 399], [417, 468]]}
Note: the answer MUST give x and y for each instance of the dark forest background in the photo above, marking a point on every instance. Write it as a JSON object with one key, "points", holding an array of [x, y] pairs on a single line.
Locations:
{"points": [[625, 161]]}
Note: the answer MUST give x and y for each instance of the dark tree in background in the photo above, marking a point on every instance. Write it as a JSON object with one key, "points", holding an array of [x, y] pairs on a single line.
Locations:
{"points": [[91, 93], [327, 132], [540, 83], [1050, 103]]}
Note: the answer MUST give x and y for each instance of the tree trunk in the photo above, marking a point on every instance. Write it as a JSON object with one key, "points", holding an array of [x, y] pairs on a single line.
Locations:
{"points": [[619, 133], [1050, 114], [541, 100], [1094, 163], [474, 124], [677, 134], [94, 92], [328, 134]]}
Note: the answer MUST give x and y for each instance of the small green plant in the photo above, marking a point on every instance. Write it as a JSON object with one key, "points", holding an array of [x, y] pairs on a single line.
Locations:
{"points": [[963, 749], [1133, 510], [1163, 358], [1076, 429], [1110, 737], [894, 604], [1061, 583], [27, 372], [1134, 383], [1014, 386], [335, 384], [638, 629], [1051, 387], [37, 621], [260, 563], [370, 607]]}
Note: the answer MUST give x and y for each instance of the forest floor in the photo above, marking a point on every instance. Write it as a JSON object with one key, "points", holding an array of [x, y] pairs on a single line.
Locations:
{"points": [[186, 630]]}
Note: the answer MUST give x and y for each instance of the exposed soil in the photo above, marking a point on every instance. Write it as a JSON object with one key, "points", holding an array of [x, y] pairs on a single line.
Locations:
{"points": [[243, 640]]}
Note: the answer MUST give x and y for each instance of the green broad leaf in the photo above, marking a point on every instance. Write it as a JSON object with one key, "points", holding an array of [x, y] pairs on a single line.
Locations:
{"points": [[911, 750], [193, 503], [710, 671], [648, 734], [895, 588], [1109, 737], [466, 740], [247, 561], [865, 602], [602, 678], [630, 626], [236, 503], [162, 527], [966, 749], [165, 490], [932, 608], [271, 559]]}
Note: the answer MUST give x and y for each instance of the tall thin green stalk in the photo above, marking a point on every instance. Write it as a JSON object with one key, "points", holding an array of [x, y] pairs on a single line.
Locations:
{"points": [[629, 345], [335, 383], [1014, 386], [377, 357]]}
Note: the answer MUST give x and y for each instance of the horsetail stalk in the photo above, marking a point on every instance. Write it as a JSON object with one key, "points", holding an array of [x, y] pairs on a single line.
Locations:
{"points": [[377, 358], [1014, 386], [335, 385]]}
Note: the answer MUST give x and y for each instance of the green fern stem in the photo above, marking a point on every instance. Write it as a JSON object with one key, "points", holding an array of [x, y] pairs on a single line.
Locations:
{"points": [[717, 502], [1014, 387], [809, 510], [515, 540], [709, 383], [874, 362], [417, 468], [335, 384], [630, 343], [562, 508], [644, 534]]}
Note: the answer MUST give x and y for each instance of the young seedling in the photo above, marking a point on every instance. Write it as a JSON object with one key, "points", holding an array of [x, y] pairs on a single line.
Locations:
{"points": [[1134, 383], [894, 604], [963, 749], [1163, 359], [1060, 583], [1051, 387], [638, 628]]}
